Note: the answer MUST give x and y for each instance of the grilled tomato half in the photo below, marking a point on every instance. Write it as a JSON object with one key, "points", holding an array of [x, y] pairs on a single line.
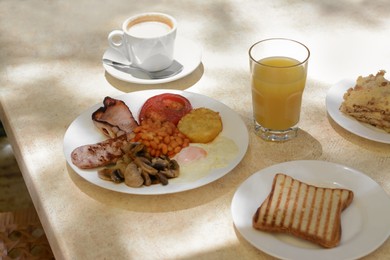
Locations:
{"points": [[165, 107]]}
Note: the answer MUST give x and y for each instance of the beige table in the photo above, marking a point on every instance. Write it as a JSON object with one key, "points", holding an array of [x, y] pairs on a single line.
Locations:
{"points": [[51, 72]]}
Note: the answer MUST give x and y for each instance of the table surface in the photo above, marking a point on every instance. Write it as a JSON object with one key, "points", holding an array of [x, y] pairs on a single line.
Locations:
{"points": [[51, 72]]}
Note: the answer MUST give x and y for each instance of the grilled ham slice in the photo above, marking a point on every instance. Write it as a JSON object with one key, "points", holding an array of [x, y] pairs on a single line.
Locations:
{"points": [[114, 118], [306, 211]]}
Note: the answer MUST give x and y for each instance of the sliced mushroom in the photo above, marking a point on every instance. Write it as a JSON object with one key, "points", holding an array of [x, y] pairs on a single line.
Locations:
{"points": [[145, 165], [111, 174], [137, 168], [160, 163], [128, 148], [121, 166], [173, 169], [162, 178], [116, 176], [133, 177], [105, 174], [137, 150], [146, 177]]}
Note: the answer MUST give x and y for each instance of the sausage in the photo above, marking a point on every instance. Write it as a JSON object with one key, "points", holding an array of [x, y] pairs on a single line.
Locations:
{"points": [[100, 154]]}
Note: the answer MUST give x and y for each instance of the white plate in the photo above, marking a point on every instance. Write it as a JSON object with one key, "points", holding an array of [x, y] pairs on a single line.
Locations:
{"points": [[365, 223], [187, 53], [82, 131], [334, 98]]}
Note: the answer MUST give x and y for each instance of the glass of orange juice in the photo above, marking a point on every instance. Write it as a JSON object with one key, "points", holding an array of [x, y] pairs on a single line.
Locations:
{"points": [[278, 76]]}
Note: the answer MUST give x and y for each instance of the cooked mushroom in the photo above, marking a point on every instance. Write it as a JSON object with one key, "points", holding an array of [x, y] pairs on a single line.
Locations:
{"points": [[146, 177], [129, 147], [145, 165], [133, 177], [111, 174], [136, 168], [105, 174], [160, 163], [162, 178], [121, 166], [173, 169], [116, 176], [138, 149]]}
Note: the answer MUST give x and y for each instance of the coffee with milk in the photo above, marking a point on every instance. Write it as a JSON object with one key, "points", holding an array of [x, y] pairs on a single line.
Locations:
{"points": [[146, 40], [149, 26]]}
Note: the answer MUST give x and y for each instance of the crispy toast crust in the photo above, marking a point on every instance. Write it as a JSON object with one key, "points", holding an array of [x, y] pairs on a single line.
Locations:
{"points": [[306, 211]]}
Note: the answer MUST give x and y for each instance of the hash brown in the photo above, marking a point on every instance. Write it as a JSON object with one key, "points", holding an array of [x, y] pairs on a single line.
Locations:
{"points": [[201, 125]]}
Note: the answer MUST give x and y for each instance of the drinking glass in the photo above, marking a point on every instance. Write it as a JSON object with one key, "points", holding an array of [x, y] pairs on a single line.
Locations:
{"points": [[278, 69]]}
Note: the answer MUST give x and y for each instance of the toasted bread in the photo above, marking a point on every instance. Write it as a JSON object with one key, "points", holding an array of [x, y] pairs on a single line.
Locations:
{"points": [[369, 101], [306, 211]]}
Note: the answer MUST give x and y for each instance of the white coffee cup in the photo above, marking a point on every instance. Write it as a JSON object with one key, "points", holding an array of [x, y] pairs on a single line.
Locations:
{"points": [[147, 40]]}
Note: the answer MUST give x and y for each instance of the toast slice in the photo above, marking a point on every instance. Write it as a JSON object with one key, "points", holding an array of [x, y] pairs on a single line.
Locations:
{"points": [[306, 211]]}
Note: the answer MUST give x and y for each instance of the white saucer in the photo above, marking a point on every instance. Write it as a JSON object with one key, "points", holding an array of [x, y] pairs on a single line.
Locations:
{"points": [[187, 53]]}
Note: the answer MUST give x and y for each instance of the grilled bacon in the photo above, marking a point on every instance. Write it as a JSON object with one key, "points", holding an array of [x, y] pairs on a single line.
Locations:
{"points": [[114, 118]]}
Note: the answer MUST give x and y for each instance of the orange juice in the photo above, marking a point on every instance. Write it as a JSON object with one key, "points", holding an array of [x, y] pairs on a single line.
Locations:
{"points": [[277, 87]]}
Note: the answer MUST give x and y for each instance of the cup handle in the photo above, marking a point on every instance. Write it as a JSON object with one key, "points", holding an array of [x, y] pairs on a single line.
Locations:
{"points": [[116, 41]]}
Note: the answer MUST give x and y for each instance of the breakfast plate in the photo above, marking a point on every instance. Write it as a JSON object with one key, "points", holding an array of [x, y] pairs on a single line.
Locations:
{"points": [[82, 131], [334, 98], [365, 225], [187, 53]]}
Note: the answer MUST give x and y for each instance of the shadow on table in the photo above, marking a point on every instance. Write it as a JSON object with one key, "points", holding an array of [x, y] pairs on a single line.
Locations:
{"points": [[158, 203], [374, 146], [303, 147], [179, 84]]}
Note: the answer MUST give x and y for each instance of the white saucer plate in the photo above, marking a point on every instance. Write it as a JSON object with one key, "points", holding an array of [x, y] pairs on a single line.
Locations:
{"points": [[82, 131], [187, 53], [365, 223], [334, 98]]}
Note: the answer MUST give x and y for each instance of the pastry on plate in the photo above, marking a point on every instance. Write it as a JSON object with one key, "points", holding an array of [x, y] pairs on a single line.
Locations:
{"points": [[369, 101]]}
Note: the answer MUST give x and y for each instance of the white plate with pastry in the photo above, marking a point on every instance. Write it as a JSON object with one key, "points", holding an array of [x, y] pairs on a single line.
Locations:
{"points": [[334, 98], [365, 225]]}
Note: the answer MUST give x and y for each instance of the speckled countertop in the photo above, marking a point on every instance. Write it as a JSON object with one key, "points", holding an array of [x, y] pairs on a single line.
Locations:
{"points": [[51, 72]]}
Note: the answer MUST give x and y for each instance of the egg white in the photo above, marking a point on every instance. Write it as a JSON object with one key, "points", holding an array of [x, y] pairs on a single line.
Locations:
{"points": [[220, 152]]}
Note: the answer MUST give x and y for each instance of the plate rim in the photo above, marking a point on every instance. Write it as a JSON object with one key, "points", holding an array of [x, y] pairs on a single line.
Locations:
{"points": [[210, 177], [310, 253], [334, 98], [182, 43]]}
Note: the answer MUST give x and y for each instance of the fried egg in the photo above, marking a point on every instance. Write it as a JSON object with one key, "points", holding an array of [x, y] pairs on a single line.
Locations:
{"points": [[190, 154], [198, 160]]}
